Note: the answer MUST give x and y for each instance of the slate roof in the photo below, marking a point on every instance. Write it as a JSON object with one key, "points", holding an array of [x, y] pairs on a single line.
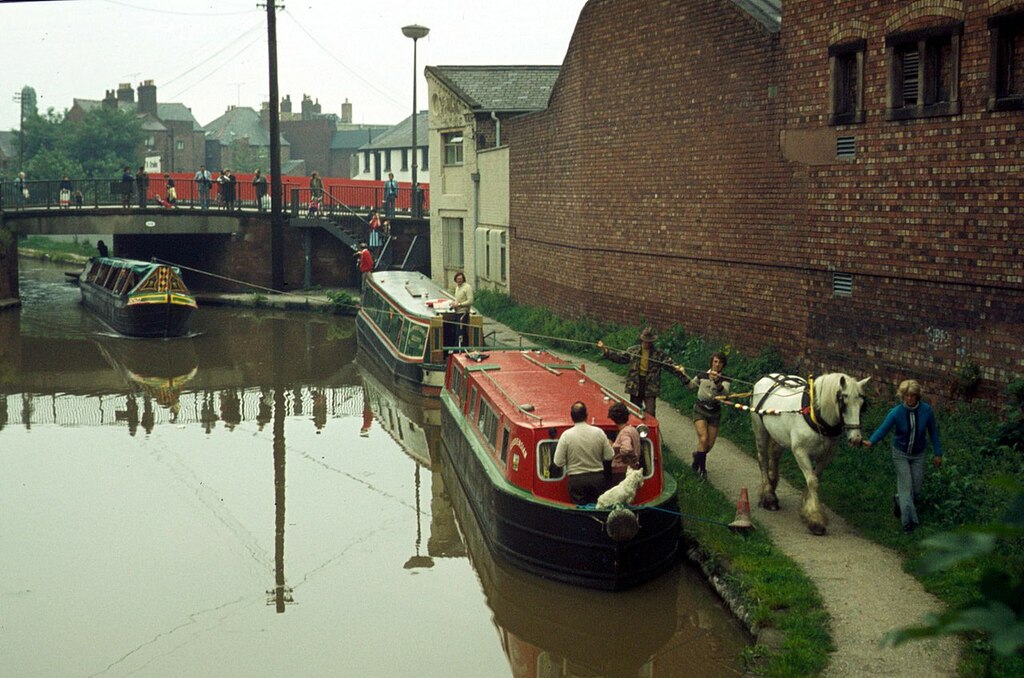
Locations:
{"points": [[400, 136], [768, 12], [168, 111], [503, 89], [354, 138], [239, 122]]}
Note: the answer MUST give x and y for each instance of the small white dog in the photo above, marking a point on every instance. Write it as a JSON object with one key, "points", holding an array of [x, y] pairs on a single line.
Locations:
{"points": [[624, 492]]}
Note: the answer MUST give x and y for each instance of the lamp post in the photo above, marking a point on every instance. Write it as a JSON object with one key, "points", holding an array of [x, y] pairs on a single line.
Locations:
{"points": [[415, 31]]}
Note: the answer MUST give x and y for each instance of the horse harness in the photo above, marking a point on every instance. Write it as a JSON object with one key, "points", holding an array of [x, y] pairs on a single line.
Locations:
{"points": [[808, 408]]}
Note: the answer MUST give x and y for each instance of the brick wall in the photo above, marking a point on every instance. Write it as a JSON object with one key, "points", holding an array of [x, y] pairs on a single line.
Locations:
{"points": [[651, 188], [655, 187], [927, 217]]}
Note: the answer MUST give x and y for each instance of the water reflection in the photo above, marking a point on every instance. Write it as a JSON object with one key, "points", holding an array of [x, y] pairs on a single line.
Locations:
{"points": [[251, 498], [672, 626]]}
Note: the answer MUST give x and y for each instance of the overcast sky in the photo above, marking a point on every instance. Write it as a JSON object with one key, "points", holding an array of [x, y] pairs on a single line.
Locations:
{"points": [[209, 55]]}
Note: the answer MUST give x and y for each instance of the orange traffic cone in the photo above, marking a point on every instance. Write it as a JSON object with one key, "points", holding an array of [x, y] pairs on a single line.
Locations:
{"points": [[742, 521]]}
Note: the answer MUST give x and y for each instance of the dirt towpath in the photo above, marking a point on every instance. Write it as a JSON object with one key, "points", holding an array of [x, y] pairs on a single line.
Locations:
{"points": [[863, 585]]}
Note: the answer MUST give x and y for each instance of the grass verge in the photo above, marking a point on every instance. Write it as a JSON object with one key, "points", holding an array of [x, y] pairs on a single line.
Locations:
{"points": [[982, 442]]}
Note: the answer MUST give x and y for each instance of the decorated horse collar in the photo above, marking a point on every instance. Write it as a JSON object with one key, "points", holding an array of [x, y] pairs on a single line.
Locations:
{"points": [[812, 415]]}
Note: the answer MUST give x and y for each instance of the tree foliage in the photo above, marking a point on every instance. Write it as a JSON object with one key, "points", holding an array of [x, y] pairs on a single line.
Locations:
{"points": [[98, 146]]}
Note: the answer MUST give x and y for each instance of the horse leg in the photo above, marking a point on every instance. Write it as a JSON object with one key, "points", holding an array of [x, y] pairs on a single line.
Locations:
{"points": [[765, 454], [810, 510]]}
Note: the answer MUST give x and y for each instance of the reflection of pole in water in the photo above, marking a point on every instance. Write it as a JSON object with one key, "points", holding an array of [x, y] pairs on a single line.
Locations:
{"points": [[418, 560], [281, 594]]}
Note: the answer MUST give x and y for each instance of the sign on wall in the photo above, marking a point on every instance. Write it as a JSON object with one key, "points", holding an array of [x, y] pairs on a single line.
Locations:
{"points": [[153, 164]]}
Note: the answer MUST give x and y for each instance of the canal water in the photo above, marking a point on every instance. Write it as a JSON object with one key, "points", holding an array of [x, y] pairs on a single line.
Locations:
{"points": [[252, 500]]}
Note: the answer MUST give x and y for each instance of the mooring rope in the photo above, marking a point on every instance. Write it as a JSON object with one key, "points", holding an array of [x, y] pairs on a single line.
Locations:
{"points": [[535, 335]]}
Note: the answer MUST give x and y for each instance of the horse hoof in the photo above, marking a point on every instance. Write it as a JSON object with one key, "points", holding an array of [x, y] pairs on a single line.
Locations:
{"points": [[769, 505], [817, 530]]}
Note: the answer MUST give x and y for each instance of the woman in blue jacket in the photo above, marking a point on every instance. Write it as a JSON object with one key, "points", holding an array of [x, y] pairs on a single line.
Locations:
{"points": [[910, 421]]}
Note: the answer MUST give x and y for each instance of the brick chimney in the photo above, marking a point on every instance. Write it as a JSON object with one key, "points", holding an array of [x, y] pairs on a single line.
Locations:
{"points": [[316, 108], [110, 100], [147, 98], [286, 104], [265, 114], [307, 107], [125, 92], [346, 112]]}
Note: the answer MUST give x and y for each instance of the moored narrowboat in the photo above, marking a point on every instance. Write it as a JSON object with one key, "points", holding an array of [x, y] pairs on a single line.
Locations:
{"points": [[407, 325], [502, 414], [137, 298]]}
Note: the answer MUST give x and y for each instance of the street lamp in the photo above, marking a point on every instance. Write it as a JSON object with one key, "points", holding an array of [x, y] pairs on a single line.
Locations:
{"points": [[415, 31]]}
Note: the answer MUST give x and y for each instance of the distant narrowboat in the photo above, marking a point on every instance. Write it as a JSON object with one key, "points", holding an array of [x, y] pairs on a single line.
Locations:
{"points": [[502, 414], [406, 324], [137, 298]]}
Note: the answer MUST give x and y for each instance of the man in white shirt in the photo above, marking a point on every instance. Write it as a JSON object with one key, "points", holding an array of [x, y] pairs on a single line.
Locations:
{"points": [[586, 454]]}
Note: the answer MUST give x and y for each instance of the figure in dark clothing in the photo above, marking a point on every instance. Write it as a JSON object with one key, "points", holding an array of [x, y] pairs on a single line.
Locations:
{"points": [[127, 186], [102, 248], [142, 186]]}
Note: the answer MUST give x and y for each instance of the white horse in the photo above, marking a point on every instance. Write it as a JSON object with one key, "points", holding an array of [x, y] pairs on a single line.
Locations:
{"points": [[807, 417]]}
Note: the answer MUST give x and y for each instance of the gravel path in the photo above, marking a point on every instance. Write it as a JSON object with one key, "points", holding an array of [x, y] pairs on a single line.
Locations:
{"points": [[863, 585]]}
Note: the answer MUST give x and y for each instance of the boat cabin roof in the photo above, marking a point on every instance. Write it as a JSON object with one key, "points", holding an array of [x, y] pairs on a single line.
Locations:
{"points": [[413, 292], [536, 388], [139, 268]]}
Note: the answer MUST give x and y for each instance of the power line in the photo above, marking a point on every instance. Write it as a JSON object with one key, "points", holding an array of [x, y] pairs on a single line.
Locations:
{"points": [[255, 27], [166, 11], [341, 63], [227, 61]]}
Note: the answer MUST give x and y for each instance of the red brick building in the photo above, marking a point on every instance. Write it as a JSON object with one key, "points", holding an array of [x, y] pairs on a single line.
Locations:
{"points": [[170, 130], [840, 179]]}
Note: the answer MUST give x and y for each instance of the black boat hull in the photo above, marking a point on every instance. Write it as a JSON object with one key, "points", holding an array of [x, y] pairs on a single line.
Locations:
{"points": [[137, 320], [558, 541]]}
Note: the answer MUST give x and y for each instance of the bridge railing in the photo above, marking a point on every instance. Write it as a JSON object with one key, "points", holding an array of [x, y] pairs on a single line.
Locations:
{"points": [[95, 193]]}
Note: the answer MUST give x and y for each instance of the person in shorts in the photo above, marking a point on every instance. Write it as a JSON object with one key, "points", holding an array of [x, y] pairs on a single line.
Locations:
{"points": [[707, 411]]}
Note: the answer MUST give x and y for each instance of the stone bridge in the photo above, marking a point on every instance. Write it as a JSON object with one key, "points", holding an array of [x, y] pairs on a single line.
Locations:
{"points": [[220, 250]]}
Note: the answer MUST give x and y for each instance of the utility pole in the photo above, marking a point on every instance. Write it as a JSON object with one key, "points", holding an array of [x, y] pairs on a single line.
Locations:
{"points": [[276, 216]]}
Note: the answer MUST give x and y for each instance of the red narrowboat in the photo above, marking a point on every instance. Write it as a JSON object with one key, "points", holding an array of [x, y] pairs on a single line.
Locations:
{"points": [[502, 414]]}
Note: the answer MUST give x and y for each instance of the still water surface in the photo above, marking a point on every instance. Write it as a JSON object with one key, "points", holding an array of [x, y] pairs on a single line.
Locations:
{"points": [[253, 501]]}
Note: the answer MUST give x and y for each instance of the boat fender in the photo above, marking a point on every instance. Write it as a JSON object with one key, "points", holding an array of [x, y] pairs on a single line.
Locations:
{"points": [[622, 524]]}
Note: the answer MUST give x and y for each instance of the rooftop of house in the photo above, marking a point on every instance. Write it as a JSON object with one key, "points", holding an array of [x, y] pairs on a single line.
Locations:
{"points": [[508, 89], [167, 112], [240, 122], [355, 138], [400, 136]]}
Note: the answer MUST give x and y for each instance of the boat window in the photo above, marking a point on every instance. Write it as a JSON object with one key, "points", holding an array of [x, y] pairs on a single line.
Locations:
{"points": [[545, 455], [487, 422], [458, 381], [647, 457], [114, 283], [472, 402], [125, 283], [107, 277], [505, 433]]}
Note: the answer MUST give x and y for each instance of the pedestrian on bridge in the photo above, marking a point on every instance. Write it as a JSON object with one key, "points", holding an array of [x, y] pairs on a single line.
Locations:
{"points": [[22, 189], [65, 192], [127, 186], [204, 180], [259, 183], [390, 195], [142, 186]]}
